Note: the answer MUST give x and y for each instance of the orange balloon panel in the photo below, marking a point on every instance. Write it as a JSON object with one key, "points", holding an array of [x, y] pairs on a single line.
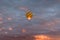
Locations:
{"points": [[29, 15]]}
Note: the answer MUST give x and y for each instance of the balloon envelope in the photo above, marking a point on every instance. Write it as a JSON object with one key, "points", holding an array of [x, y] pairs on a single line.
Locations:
{"points": [[29, 15]]}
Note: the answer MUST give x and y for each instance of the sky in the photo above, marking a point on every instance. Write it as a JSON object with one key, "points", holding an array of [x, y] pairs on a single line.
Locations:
{"points": [[46, 16]]}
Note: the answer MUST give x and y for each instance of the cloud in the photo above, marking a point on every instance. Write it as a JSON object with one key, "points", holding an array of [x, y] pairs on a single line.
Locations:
{"points": [[44, 11]]}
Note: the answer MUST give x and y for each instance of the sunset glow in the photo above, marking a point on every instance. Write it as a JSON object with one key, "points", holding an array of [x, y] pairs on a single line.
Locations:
{"points": [[41, 37]]}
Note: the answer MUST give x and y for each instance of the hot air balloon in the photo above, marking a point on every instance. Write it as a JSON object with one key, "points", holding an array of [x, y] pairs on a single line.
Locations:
{"points": [[29, 15]]}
